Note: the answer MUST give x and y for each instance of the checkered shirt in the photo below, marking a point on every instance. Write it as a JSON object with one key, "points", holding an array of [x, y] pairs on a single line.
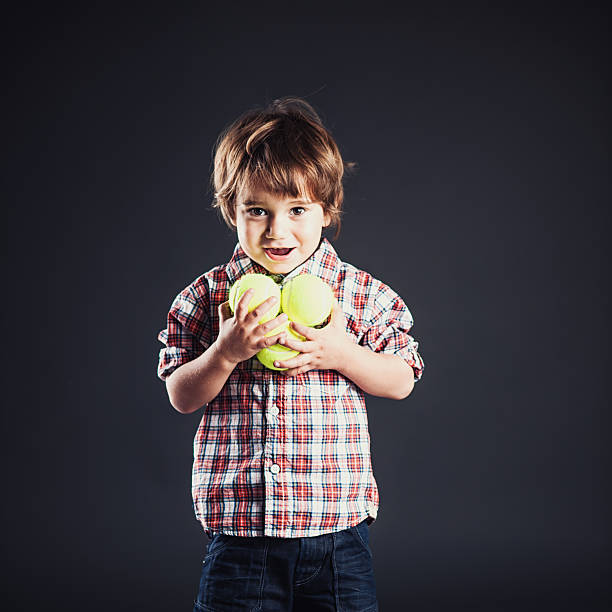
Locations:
{"points": [[286, 456]]}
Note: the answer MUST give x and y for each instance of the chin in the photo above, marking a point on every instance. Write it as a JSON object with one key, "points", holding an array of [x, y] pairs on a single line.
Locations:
{"points": [[279, 269]]}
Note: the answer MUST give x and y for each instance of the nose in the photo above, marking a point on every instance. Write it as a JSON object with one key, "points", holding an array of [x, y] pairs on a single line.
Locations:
{"points": [[277, 227]]}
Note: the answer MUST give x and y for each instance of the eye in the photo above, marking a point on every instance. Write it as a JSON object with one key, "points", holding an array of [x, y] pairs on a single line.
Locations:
{"points": [[298, 210], [256, 212]]}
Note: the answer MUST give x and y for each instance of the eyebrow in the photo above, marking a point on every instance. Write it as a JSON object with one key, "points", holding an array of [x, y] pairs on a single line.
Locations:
{"points": [[251, 202]]}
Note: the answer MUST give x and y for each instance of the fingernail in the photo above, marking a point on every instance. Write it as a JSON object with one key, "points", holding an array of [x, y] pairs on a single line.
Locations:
{"points": [[276, 364]]}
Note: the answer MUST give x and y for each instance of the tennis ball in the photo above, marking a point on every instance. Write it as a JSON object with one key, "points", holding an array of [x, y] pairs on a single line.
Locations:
{"points": [[278, 352], [307, 299], [264, 288]]}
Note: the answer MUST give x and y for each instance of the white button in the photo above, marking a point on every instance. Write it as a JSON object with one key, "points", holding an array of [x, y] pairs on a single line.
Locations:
{"points": [[274, 468], [274, 410]]}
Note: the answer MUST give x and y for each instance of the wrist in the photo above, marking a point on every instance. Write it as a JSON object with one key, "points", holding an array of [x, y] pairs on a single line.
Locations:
{"points": [[348, 353], [226, 361]]}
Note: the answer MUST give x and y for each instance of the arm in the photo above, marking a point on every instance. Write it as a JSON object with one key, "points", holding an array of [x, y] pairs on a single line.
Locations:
{"points": [[377, 373], [331, 348], [199, 381]]}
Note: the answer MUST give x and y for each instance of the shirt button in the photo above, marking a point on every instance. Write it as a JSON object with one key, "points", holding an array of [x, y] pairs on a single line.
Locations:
{"points": [[274, 410], [274, 468]]}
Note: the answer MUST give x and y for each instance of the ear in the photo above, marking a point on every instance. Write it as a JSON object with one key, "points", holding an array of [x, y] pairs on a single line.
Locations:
{"points": [[326, 219]]}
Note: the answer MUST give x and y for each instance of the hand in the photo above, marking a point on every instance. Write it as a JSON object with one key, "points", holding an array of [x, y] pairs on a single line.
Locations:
{"points": [[240, 335], [323, 349]]}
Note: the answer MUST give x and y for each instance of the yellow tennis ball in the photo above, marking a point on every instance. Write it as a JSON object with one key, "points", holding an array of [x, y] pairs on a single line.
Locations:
{"points": [[307, 299], [264, 287], [278, 352]]}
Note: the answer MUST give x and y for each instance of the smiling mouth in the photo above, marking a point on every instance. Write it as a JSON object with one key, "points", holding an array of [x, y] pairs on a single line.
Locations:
{"points": [[278, 253]]}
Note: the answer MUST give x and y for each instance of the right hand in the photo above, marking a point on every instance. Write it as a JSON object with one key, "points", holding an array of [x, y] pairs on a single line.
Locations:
{"points": [[241, 336]]}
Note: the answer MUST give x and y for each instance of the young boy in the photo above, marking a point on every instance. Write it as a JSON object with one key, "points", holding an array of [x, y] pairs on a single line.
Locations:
{"points": [[282, 474]]}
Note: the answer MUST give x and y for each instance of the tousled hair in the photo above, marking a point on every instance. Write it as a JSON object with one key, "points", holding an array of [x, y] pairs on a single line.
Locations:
{"points": [[284, 149]]}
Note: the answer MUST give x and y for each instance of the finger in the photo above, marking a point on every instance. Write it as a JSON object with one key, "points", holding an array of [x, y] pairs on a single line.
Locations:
{"points": [[337, 313], [295, 362], [261, 310], [297, 345], [225, 312], [308, 332], [242, 307], [267, 341], [279, 321], [295, 371]]}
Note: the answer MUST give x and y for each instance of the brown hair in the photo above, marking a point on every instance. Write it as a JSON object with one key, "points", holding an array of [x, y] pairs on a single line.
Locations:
{"points": [[285, 149]]}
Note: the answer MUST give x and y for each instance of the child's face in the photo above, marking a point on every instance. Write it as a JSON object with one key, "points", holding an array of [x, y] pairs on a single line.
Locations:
{"points": [[278, 233]]}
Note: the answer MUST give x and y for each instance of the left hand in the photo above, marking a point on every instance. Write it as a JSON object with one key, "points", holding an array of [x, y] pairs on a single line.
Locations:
{"points": [[323, 349]]}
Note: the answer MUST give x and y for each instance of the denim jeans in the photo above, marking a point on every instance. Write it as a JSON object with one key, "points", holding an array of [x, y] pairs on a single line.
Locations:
{"points": [[328, 572]]}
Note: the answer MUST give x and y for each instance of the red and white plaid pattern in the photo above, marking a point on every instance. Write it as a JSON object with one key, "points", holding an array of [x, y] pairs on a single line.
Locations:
{"points": [[286, 457]]}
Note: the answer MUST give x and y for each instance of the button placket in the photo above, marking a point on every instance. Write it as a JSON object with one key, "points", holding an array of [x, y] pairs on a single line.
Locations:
{"points": [[272, 414]]}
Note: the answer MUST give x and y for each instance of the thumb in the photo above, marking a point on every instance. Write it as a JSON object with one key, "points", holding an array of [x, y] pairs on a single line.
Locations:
{"points": [[225, 312], [337, 315]]}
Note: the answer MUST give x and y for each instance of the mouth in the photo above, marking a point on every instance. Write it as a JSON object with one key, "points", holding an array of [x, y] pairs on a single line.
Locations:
{"points": [[278, 254]]}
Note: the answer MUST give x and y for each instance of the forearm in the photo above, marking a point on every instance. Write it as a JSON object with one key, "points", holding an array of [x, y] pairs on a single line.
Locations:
{"points": [[378, 374], [199, 381]]}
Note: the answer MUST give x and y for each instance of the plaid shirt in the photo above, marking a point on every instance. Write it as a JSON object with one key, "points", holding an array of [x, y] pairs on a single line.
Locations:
{"points": [[286, 456]]}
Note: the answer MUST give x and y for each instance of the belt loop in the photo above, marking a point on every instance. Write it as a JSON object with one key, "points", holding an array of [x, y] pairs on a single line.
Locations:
{"points": [[335, 571]]}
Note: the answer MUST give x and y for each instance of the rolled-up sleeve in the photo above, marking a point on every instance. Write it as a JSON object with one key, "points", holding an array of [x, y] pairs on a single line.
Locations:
{"points": [[390, 322], [188, 333]]}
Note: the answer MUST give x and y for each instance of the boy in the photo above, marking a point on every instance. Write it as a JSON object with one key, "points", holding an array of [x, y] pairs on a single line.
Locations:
{"points": [[282, 474]]}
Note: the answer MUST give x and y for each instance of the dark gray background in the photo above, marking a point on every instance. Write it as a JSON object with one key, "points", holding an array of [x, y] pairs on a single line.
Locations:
{"points": [[482, 198]]}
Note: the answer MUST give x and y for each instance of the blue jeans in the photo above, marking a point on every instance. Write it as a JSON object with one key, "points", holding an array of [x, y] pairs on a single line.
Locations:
{"points": [[327, 572]]}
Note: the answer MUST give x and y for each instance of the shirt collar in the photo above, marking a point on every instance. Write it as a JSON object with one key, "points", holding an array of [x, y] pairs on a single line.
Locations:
{"points": [[324, 263]]}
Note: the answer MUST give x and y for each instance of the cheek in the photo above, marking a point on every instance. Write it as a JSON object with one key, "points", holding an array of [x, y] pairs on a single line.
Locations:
{"points": [[248, 229], [315, 230]]}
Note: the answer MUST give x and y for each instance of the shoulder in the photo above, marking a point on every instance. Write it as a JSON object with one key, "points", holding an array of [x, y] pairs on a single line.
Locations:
{"points": [[363, 291], [353, 279], [203, 289]]}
